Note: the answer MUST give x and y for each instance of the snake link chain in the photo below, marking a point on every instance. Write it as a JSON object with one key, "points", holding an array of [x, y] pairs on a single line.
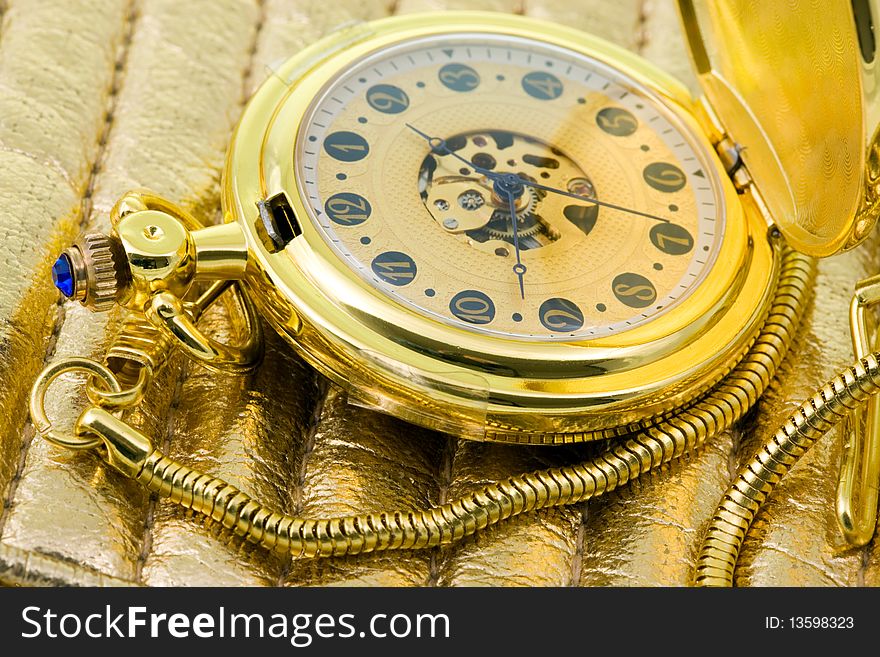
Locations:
{"points": [[133, 454], [757, 478]]}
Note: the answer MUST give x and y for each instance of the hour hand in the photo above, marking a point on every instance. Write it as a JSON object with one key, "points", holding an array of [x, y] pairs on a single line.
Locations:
{"points": [[519, 268]]}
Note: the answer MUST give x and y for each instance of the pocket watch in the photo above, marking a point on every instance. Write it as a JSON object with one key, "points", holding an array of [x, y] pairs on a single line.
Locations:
{"points": [[507, 230]]}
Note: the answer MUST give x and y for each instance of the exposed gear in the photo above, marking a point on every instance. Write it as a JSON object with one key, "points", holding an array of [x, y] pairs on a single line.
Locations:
{"points": [[471, 200], [528, 226], [532, 198], [528, 223], [466, 203]]}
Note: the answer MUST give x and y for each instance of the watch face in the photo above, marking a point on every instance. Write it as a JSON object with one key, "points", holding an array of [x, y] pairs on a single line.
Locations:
{"points": [[510, 187]]}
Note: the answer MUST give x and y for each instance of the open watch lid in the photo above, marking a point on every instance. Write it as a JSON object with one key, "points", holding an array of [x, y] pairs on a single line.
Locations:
{"points": [[795, 85]]}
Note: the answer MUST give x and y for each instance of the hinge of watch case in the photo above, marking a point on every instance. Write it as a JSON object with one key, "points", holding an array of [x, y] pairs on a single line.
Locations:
{"points": [[731, 157], [729, 151]]}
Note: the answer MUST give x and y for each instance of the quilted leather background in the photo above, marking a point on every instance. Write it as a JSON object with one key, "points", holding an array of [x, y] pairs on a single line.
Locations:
{"points": [[100, 96]]}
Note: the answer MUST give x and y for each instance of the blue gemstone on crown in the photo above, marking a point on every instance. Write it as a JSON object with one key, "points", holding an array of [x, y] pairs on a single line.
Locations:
{"points": [[62, 275]]}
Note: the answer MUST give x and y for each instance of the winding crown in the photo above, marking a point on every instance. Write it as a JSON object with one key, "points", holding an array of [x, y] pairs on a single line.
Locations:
{"points": [[90, 271], [102, 270]]}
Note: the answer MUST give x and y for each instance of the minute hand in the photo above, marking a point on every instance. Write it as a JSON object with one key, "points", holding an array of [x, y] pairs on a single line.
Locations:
{"points": [[588, 199]]}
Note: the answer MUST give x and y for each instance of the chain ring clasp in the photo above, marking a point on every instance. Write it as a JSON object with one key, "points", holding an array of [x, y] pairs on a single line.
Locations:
{"points": [[43, 424]]}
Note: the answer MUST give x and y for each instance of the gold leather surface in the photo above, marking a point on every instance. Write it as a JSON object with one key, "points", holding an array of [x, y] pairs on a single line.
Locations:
{"points": [[100, 96]]}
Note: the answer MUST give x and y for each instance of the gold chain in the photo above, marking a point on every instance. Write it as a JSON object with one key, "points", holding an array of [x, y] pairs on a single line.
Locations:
{"points": [[757, 478], [133, 454]]}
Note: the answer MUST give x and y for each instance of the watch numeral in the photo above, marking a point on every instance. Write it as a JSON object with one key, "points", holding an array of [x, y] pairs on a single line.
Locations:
{"points": [[617, 122], [664, 177], [347, 209], [542, 85], [561, 315], [387, 98], [473, 307], [672, 239], [394, 267], [346, 146], [634, 290], [459, 77]]}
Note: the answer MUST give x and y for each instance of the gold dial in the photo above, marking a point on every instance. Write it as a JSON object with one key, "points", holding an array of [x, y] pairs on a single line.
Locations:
{"points": [[504, 185], [496, 226]]}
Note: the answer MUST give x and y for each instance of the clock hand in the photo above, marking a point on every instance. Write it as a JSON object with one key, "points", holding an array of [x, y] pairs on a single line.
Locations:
{"points": [[588, 199], [519, 268], [439, 144], [504, 185]]}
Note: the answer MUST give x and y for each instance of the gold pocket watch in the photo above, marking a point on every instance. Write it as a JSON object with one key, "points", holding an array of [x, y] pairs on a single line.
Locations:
{"points": [[507, 230]]}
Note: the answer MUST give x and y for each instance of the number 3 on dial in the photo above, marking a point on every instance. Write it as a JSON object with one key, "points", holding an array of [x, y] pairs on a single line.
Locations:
{"points": [[459, 77]]}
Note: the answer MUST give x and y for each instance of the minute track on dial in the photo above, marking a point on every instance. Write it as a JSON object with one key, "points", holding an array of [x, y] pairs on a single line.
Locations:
{"points": [[445, 213]]}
